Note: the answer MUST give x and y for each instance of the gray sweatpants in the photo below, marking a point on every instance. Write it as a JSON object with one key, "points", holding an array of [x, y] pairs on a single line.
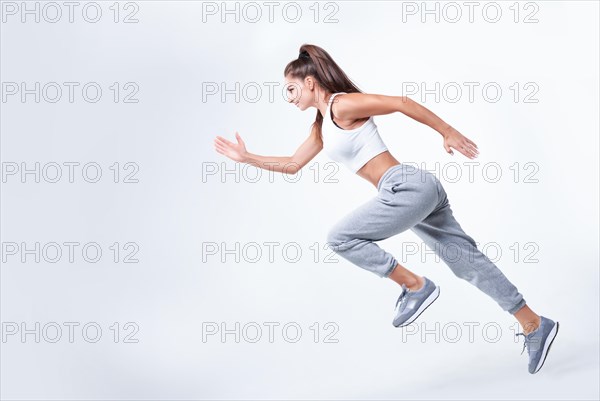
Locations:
{"points": [[411, 198]]}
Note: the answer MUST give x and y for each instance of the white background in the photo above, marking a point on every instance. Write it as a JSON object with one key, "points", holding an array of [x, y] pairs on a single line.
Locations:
{"points": [[175, 209]]}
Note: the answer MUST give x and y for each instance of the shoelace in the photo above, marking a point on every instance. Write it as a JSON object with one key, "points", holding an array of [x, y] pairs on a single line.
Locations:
{"points": [[402, 298], [528, 340], [526, 343]]}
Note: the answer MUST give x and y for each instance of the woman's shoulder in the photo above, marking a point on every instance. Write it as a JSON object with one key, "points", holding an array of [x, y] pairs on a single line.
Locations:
{"points": [[345, 102], [342, 108]]}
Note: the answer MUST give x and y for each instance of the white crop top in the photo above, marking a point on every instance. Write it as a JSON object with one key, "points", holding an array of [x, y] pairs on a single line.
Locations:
{"points": [[352, 147]]}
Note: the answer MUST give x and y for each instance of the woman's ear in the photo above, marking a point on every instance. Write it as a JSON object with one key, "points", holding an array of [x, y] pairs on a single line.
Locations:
{"points": [[309, 82]]}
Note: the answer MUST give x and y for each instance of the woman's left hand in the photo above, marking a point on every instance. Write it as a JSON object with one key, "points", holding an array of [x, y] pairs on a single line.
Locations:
{"points": [[456, 140]]}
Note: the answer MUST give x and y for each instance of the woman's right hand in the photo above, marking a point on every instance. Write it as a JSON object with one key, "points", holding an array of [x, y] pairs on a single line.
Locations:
{"points": [[235, 151]]}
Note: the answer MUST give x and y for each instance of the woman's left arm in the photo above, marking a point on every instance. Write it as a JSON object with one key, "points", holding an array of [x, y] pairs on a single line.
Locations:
{"points": [[359, 105], [452, 138]]}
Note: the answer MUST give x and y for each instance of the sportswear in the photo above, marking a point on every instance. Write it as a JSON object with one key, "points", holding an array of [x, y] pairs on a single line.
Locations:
{"points": [[353, 147]]}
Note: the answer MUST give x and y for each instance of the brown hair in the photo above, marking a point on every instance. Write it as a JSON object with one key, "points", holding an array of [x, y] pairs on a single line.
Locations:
{"points": [[326, 72]]}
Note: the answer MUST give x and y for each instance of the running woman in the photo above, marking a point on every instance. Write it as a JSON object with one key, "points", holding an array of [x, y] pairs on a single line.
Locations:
{"points": [[407, 198]]}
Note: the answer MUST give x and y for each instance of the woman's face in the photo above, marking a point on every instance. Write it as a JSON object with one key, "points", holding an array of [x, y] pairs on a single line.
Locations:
{"points": [[298, 92]]}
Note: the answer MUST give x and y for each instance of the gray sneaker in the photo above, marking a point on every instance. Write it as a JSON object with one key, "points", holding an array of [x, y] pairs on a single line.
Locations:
{"points": [[538, 343], [411, 304]]}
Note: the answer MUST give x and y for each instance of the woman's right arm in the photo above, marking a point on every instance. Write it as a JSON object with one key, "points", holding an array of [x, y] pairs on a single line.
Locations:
{"points": [[282, 164]]}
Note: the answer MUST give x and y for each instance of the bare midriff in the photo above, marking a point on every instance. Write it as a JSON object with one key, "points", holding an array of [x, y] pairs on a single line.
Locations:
{"points": [[374, 168]]}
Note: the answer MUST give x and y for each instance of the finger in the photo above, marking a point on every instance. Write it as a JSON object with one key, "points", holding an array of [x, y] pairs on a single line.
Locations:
{"points": [[469, 153], [225, 145], [471, 142], [225, 141], [468, 150], [473, 148], [470, 147]]}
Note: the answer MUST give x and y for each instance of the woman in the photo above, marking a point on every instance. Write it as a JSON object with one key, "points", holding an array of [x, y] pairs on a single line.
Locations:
{"points": [[408, 197]]}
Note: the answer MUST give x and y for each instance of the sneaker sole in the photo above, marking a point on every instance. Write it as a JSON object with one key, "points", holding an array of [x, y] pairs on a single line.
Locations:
{"points": [[434, 295], [551, 337]]}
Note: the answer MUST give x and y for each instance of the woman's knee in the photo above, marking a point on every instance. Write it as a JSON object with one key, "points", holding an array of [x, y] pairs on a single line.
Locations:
{"points": [[334, 238], [338, 241]]}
